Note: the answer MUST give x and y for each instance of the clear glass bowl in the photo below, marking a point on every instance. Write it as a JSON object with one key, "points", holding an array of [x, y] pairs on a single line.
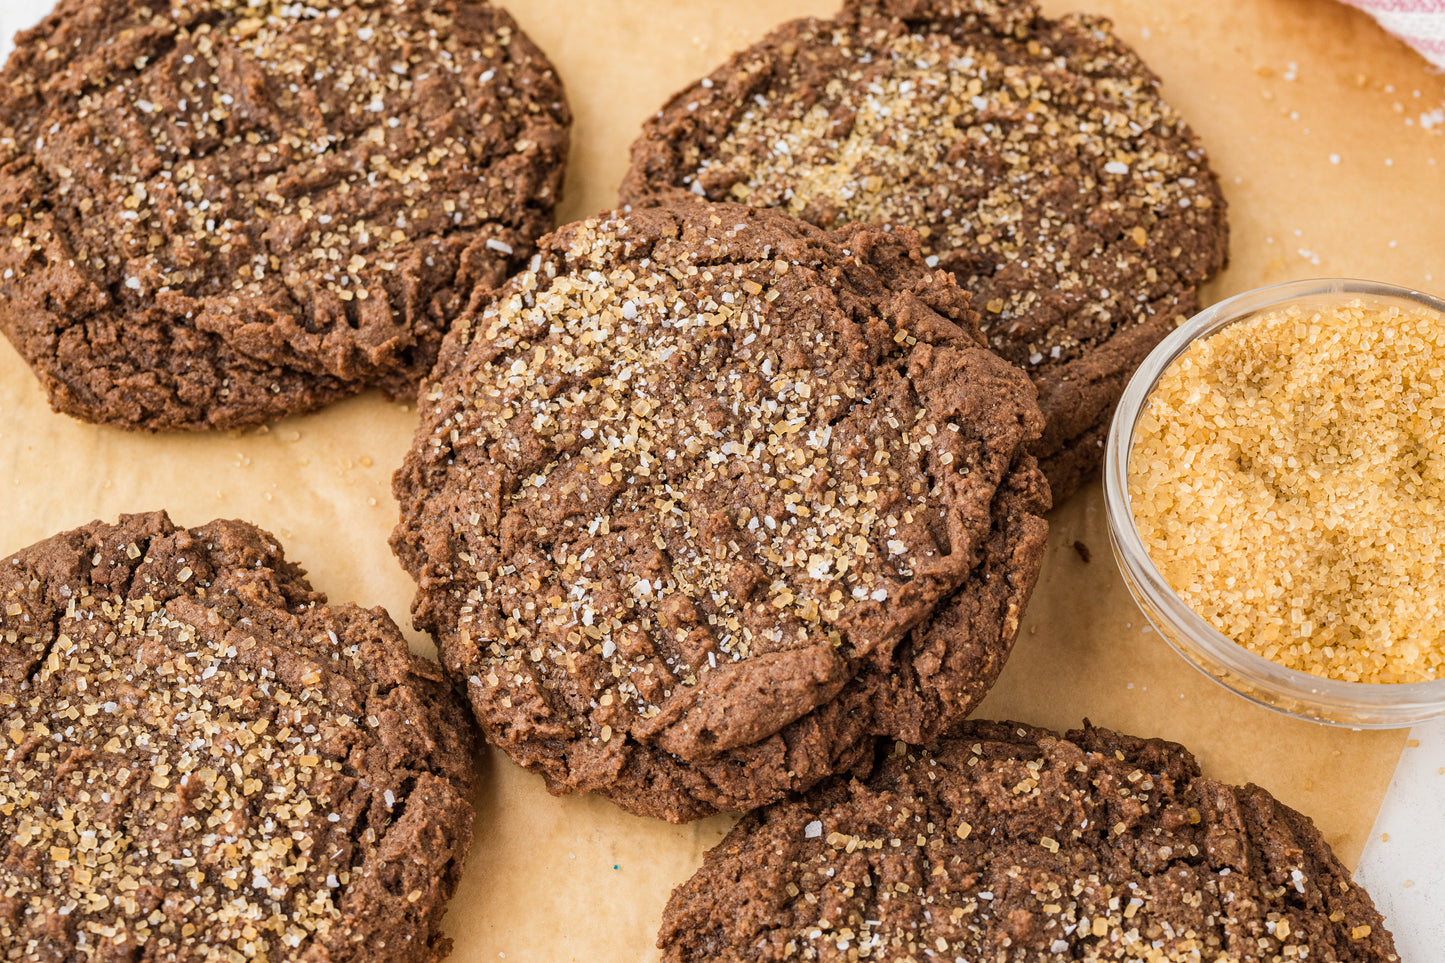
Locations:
{"points": [[1355, 704]]}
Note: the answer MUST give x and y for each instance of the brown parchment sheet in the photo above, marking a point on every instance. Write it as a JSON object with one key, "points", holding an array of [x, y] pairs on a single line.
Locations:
{"points": [[1321, 128]]}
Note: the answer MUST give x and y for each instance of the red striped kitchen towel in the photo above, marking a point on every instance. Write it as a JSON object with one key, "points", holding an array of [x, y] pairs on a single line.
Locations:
{"points": [[1420, 23]]}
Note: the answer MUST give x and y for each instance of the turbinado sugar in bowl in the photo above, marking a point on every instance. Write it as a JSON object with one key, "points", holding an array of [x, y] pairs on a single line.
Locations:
{"points": [[1287, 479]]}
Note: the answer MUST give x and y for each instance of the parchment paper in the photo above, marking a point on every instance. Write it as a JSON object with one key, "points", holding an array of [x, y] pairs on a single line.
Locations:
{"points": [[1324, 132]]}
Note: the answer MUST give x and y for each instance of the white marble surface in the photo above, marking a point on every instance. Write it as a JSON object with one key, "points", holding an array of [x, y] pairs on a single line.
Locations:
{"points": [[1403, 866], [16, 15], [1404, 863]]}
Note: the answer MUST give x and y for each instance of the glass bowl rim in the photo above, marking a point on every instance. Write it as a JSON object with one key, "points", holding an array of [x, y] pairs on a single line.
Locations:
{"points": [[1387, 705]]}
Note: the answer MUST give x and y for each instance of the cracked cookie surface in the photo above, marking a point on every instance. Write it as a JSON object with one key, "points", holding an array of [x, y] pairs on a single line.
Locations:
{"points": [[1005, 842], [707, 495], [1035, 157], [202, 760], [216, 213]]}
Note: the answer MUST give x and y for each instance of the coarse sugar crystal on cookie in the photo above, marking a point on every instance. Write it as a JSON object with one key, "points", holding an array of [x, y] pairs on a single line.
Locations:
{"points": [[1007, 842], [202, 760], [216, 213], [1035, 156], [707, 495]]}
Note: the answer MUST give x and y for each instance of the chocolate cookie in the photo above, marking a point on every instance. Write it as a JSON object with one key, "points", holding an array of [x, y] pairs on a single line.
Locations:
{"points": [[204, 761], [216, 214], [707, 495], [1035, 157], [1005, 842]]}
